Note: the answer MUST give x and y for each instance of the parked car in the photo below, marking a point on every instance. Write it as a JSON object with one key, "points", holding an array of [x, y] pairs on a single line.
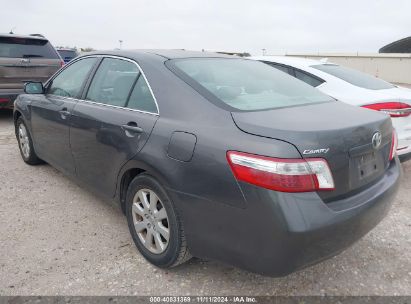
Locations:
{"points": [[24, 58], [355, 88], [214, 156], [67, 54]]}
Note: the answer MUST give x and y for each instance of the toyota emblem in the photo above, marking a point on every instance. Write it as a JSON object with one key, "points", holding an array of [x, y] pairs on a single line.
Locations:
{"points": [[376, 140]]}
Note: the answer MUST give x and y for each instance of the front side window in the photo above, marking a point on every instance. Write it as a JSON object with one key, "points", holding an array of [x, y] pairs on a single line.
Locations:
{"points": [[354, 77], [113, 82], [69, 82], [246, 84]]}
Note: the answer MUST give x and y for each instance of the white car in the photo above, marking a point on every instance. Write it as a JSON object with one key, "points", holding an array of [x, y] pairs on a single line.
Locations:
{"points": [[355, 88]]}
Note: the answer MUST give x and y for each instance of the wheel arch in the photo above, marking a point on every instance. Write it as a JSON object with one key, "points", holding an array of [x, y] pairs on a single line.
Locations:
{"points": [[128, 172], [16, 115]]}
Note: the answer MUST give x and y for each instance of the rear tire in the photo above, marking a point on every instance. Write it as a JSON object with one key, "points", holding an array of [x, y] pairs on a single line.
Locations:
{"points": [[154, 223], [25, 143]]}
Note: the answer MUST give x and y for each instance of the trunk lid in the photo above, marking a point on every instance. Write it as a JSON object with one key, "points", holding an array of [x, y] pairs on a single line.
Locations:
{"points": [[340, 133]]}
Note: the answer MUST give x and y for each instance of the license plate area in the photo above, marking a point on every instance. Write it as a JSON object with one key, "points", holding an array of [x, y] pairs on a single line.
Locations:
{"points": [[365, 168], [367, 165]]}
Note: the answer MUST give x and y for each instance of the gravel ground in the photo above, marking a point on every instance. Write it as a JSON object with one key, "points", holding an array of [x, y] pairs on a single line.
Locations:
{"points": [[59, 239]]}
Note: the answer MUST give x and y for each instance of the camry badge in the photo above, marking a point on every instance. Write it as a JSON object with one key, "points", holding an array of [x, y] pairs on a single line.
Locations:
{"points": [[376, 140], [316, 151]]}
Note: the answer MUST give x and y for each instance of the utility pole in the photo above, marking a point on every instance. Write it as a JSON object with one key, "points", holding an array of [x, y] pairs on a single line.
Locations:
{"points": [[264, 50], [121, 43]]}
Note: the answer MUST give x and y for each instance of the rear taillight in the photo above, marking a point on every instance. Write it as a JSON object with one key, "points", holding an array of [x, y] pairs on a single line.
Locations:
{"points": [[394, 109], [281, 174], [4, 100], [62, 63], [394, 145]]}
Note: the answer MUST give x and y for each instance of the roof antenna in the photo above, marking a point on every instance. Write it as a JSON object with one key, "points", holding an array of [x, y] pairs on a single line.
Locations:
{"points": [[12, 29]]}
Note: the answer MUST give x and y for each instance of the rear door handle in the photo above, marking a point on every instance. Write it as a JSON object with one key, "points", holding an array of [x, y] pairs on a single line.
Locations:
{"points": [[64, 113], [132, 128]]}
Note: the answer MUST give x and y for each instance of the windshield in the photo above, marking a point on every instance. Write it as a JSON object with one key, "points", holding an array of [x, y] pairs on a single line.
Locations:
{"points": [[354, 77], [14, 47], [247, 84]]}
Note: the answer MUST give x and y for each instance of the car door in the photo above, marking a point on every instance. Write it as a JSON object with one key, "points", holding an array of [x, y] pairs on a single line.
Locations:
{"points": [[51, 114], [112, 123]]}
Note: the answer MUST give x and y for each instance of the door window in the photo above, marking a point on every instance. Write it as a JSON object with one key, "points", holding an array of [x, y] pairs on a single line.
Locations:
{"points": [[354, 77], [69, 82], [113, 82], [141, 97]]}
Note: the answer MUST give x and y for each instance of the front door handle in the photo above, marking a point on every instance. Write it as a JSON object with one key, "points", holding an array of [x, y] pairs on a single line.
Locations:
{"points": [[132, 128]]}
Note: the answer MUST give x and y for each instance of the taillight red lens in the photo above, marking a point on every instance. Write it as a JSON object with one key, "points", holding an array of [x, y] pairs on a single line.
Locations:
{"points": [[394, 145], [280, 174], [62, 63], [394, 109], [4, 100]]}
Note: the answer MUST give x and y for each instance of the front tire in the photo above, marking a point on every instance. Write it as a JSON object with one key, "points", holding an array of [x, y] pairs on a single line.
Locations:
{"points": [[26, 143], [154, 224]]}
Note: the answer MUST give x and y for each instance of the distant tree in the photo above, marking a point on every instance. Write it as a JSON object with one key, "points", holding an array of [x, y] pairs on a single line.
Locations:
{"points": [[87, 49]]}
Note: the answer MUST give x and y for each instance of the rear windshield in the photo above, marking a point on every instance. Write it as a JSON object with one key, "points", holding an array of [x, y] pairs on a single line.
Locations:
{"points": [[67, 53], [247, 84], [354, 77], [13, 47]]}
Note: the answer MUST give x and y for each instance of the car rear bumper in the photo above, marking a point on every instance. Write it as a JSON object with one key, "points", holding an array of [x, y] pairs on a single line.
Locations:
{"points": [[279, 233], [404, 154], [403, 127]]}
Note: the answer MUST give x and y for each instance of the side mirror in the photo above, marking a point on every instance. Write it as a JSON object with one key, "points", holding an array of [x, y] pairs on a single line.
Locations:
{"points": [[33, 88]]}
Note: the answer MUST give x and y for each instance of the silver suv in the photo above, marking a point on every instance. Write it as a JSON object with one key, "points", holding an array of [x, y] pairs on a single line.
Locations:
{"points": [[24, 58]]}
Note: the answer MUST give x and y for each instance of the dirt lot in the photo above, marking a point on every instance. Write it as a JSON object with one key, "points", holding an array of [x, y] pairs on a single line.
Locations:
{"points": [[59, 239]]}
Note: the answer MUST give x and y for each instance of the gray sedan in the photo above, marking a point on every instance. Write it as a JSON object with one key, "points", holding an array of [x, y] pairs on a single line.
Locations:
{"points": [[214, 156]]}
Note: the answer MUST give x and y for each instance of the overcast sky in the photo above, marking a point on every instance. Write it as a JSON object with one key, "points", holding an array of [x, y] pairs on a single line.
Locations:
{"points": [[230, 25]]}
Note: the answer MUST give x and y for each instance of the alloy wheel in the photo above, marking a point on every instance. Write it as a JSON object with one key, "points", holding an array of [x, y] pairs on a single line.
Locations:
{"points": [[151, 221], [24, 141]]}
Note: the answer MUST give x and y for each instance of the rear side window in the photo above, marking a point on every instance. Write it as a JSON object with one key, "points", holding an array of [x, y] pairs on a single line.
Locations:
{"points": [[69, 82], [280, 67], [247, 84], [14, 47], [141, 97], [354, 77], [307, 78], [113, 82]]}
